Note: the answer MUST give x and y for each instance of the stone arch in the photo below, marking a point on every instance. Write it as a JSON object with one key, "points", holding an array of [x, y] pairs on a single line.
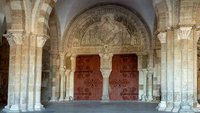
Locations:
{"points": [[46, 7], [16, 12], [124, 22]]}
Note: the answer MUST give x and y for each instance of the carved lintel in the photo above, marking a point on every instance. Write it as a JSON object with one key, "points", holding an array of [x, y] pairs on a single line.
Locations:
{"points": [[184, 33], [41, 39], [162, 36], [15, 37]]}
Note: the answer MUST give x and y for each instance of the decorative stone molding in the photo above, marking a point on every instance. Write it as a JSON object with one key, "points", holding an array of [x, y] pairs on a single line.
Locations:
{"points": [[41, 39], [15, 37], [162, 36], [184, 33]]}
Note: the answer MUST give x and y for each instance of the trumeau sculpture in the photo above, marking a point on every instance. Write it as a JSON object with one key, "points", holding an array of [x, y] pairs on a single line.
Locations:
{"points": [[110, 25]]}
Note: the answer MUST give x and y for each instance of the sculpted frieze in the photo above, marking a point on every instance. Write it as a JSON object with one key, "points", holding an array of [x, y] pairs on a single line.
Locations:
{"points": [[109, 25]]}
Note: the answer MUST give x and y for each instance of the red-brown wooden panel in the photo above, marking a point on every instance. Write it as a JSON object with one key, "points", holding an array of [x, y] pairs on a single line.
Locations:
{"points": [[124, 78], [88, 78]]}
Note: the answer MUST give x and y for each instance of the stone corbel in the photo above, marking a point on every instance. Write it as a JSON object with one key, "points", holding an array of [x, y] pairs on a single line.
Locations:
{"points": [[162, 36], [184, 33], [41, 39], [15, 37]]}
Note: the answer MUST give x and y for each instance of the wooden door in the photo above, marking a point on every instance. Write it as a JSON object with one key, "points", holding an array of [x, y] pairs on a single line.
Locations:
{"points": [[88, 78], [124, 78]]}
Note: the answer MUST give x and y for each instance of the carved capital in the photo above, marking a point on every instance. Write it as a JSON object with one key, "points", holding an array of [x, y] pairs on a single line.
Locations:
{"points": [[63, 68], [62, 56], [15, 37], [41, 39], [184, 33], [106, 72], [162, 36]]}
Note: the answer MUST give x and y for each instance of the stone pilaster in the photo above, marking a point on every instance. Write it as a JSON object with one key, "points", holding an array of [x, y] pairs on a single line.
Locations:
{"points": [[62, 76], [67, 83], [15, 39], [170, 68], [162, 105], [41, 39], [142, 85]]}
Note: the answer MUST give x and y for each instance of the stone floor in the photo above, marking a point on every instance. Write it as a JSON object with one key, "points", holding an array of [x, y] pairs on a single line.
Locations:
{"points": [[99, 107]]}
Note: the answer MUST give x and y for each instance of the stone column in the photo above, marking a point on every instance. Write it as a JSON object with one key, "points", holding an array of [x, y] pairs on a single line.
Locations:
{"points": [[187, 63], [15, 39], [24, 72], [71, 77], [142, 94], [162, 105], [149, 78], [41, 39], [67, 83], [54, 69], [32, 71], [62, 76], [105, 93], [170, 69]]}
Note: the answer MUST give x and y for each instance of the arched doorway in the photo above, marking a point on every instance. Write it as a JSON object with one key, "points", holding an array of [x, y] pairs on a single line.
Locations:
{"points": [[4, 69], [113, 31]]}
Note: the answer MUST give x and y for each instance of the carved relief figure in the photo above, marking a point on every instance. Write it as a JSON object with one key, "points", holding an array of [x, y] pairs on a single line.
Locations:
{"points": [[107, 31]]}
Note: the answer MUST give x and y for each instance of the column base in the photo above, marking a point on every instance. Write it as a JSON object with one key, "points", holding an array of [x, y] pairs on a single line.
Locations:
{"points": [[149, 98], [13, 108], [162, 106], [61, 99], [66, 98], [39, 107], [53, 99], [105, 98], [186, 108], [169, 107], [24, 108]]}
